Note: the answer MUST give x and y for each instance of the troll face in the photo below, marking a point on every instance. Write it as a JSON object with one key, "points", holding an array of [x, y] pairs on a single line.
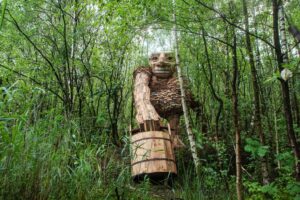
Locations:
{"points": [[162, 64]]}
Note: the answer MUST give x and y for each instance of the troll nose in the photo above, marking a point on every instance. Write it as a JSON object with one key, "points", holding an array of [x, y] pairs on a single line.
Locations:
{"points": [[161, 63]]}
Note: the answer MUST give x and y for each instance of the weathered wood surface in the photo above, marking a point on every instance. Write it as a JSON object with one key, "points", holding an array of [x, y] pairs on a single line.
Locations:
{"points": [[152, 152], [144, 108], [160, 97]]}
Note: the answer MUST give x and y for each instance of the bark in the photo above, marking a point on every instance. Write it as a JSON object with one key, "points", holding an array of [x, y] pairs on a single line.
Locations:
{"points": [[296, 107], [256, 91], [239, 183], [285, 91], [276, 137], [183, 97], [283, 34], [293, 30]]}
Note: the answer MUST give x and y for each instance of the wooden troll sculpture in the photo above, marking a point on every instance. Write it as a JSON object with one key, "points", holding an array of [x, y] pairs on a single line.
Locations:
{"points": [[157, 94]]}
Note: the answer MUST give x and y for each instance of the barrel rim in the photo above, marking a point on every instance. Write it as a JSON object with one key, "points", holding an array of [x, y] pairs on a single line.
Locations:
{"points": [[149, 138], [153, 159]]}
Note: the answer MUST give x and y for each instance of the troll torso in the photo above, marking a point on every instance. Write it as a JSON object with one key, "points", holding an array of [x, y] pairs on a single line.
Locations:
{"points": [[165, 95], [157, 93]]}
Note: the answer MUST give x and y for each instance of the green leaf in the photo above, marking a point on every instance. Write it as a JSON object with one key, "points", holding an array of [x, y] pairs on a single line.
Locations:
{"points": [[293, 188], [255, 148], [270, 189], [262, 151], [3, 12], [273, 78], [6, 119]]}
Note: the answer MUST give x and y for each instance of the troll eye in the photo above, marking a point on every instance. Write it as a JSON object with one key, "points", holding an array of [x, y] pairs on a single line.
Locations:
{"points": [[170, 58], [154, 58]]}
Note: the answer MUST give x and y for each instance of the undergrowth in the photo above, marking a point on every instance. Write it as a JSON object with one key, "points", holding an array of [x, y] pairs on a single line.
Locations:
{"points": [[52, 159]]}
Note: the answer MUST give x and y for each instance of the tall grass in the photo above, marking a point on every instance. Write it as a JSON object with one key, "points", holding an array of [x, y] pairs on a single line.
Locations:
{"points": [[208, 186], [48, 160], [49, 157]]}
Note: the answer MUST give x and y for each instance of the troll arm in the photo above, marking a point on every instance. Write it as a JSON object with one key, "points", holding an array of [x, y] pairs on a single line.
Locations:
{"points": [[144, 109]]}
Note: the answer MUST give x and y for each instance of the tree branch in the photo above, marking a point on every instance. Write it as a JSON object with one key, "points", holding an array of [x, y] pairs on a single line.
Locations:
{"points": [[223, 16], [32, 80], [38, 50]]}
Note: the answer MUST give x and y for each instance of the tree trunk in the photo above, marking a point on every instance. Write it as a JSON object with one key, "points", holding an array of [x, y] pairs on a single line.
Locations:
{"points": [[183, 97], [239, 183], [285, 91], [294, 100], [276, 136], [256, 91]]}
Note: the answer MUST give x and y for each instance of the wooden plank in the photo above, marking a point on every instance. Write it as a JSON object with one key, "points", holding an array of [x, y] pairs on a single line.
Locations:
{"points": [[152, 152]]}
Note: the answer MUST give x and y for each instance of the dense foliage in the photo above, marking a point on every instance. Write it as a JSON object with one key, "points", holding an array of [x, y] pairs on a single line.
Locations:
{"points": [[66, 96]]}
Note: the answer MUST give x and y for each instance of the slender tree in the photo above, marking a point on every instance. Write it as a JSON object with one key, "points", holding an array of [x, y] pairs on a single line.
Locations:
{"points": [[285, 90], [235, 109], [256, 91], [183, 96], [236, 119]]}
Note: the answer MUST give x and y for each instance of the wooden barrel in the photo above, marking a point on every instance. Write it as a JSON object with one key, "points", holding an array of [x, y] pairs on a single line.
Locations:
{"points": [[152, 155]]}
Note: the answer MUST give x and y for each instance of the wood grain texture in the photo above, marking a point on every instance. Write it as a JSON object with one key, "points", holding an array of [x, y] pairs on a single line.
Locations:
{"points": [[144, 108], [152, 152], [155, 97]]}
